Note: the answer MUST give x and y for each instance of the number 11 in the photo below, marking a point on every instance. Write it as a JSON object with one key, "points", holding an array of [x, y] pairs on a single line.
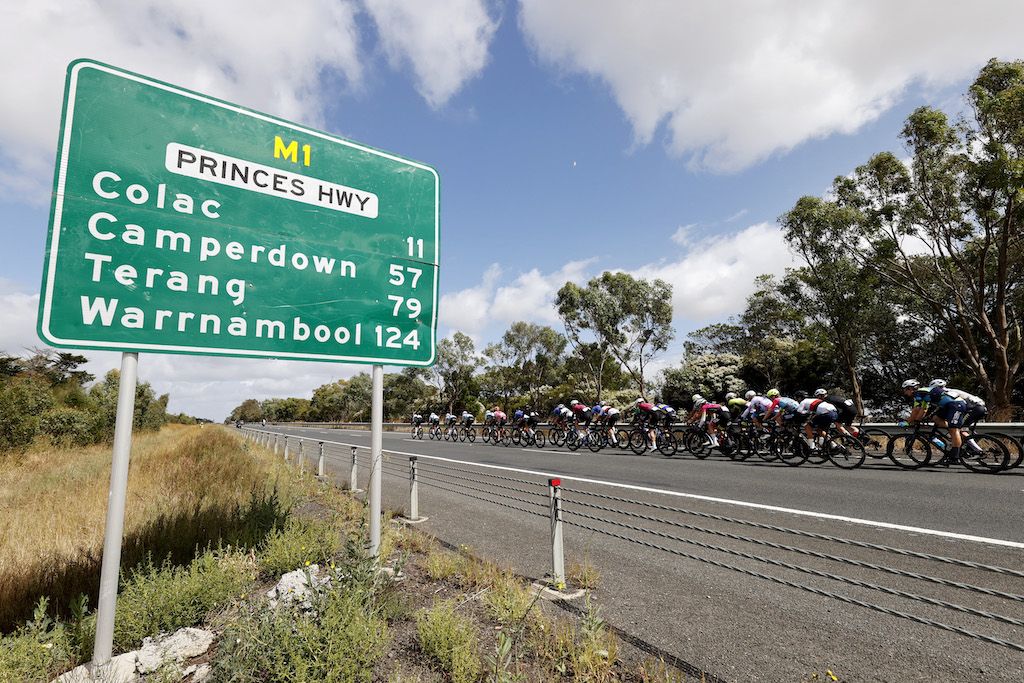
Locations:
{"points": [[418, 244]]}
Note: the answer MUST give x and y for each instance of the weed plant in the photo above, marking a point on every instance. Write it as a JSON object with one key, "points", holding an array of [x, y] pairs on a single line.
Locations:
{"points": [[450, 639]]}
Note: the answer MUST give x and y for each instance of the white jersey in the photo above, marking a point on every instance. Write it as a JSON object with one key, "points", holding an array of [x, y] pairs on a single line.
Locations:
{"points": [[964, 396], [822, 407]]}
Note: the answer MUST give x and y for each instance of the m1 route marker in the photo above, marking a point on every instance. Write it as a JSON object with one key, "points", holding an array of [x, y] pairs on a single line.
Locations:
{"points": [[181, 223]]}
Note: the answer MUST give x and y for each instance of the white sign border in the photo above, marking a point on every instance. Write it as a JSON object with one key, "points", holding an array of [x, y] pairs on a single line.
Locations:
{"points": [[55, 230]]}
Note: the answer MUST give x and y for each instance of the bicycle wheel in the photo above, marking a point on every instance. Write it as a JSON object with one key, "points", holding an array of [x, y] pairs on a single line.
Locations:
{"points": [[594, 441], [557, 437], [876, 442], [666, 444], [844, 451], [1014, 447], [506, 438], [989, 457], [462, 434], [698, 444], [793, 451], [909, 451], [538, 439], [471, 434], [764, 449], [638, 442], [622, 439], [572, 439]]}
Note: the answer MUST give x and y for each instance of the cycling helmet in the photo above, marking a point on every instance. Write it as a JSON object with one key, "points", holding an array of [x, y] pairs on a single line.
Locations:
{"points": [[698, 401], [800, 395], [604, 403], [750, 394], [730, 396], [937, 383], [772, 393], [573, 403], [911, 384], [696, 397], [638, 401], [820, 393]]}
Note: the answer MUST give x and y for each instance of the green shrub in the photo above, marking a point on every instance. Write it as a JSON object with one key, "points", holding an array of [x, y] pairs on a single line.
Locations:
{"points": [[67, 426], [300, 543], [451, 640], [164, 598], [339, 639], [35, 652], [508, 600], [22, 401]]}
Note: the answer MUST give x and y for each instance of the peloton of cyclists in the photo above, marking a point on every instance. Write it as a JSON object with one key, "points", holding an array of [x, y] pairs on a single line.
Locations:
{"points": [[944, 408]]}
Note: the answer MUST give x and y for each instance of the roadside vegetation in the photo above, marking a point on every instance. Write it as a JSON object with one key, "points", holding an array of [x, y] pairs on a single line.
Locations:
{"points": [[437, 614]]}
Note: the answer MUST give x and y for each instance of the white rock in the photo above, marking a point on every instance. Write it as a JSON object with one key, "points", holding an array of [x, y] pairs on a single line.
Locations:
{"points": [[202, 673], [120, 669], [183, 644], [294, 586]]}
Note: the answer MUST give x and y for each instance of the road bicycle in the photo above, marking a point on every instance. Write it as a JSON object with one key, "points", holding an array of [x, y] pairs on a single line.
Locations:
{"points": [[664, 442], [435, 432], [451, 432], [467, 433], [417, 432], [982, 453], [528, 437]]}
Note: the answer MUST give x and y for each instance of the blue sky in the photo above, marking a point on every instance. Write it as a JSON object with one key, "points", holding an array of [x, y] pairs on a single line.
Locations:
{"points": [[663, 139]]}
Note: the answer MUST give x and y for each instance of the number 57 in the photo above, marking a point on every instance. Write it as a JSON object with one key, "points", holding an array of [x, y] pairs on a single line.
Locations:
{"points": [[398, 274]]}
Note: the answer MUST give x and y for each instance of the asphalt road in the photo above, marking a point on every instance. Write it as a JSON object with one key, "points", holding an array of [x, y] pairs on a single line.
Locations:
{"points": [[734, 599]]}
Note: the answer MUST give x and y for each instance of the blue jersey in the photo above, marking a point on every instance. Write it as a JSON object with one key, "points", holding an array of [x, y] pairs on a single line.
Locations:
{"points": [[518, 415], [786, 406]]}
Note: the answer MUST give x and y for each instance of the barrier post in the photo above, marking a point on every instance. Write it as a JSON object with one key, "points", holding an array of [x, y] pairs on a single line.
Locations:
{"points": [[320, 462], [557, 551], [302, 460], [353, 479], [276, 436], [286, 448], [373, 487], [414, 491]]}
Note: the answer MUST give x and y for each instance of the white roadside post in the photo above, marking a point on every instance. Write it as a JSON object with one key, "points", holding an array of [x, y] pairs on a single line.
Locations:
{"points": [[414, 491], [557, 553], [110, 570], [320, 465], [353, 479], [376, 444]]}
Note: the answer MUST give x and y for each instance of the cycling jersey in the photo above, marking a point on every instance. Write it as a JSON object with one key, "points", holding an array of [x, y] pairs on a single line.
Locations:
{"points": [[611, 415], [450, 419], [518, 416], [969, 399], [434, 419], [756, 407], [712, 411], [533, 419], [563, 413], [845, 407], [737, 406], [582, 413], [417, 419], [488, 417], [787, 407], [500, 417], [669, 413], [467, 418]]}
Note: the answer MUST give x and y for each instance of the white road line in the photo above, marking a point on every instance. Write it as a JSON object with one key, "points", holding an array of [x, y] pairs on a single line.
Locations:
{"points": [[726, 501]]}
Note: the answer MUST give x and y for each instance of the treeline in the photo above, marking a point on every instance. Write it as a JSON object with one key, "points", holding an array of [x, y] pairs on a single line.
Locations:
{"points": [[912, 266], [45, 395]]}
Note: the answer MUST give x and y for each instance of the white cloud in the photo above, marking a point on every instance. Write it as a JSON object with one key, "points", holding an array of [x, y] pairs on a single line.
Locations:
{"points": [[529, 296], [444, 42], [264, 54], [683, 235], [734, 82], [716, 274]]}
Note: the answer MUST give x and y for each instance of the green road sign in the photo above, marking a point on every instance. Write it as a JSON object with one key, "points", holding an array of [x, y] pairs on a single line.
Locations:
{"points": [[185, 224]]}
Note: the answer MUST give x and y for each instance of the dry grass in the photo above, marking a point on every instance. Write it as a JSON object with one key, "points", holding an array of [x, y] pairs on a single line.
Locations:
{"points": [[583, 574], [186, 486]]}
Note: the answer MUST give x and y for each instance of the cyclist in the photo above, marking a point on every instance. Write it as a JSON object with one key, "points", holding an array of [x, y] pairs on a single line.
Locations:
{"points": [[756, 408], [847, 411], [945, 410], [736, 404], [434, 419], [467, 418], [819, 416], [976, 408], [488, 417], [610, 416], [668, 415], [500, 418], [709, 415], [649, 416], [417, 420], [560, 416], [787, 409], [582, 415], [531, 420], [519, 418]]}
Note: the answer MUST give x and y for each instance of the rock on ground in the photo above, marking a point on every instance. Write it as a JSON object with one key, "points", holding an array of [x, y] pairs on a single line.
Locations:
{"points": [[178, 647]]}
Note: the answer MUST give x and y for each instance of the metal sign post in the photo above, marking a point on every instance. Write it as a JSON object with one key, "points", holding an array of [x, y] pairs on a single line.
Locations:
{"points": [[111, 568], [376, 458]]}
